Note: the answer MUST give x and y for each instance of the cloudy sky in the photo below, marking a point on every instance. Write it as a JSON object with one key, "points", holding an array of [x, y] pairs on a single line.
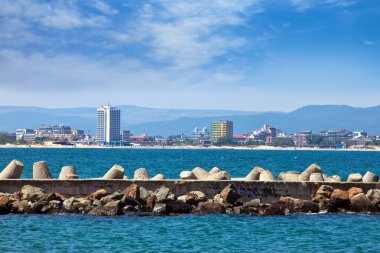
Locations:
{"points": [[229, 54]]}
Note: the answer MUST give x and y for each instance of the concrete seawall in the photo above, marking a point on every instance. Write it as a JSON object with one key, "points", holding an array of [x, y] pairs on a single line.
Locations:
{"points": [[267, 191]]}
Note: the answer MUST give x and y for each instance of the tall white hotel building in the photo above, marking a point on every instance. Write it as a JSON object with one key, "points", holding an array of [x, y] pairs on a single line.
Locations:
{"points": [[108, 124]]}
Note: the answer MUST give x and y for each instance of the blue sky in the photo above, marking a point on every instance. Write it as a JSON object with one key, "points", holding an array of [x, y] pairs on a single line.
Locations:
{"points": [[247, 55]]}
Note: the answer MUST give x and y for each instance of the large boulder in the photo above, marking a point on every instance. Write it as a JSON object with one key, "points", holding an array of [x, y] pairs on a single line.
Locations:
{"points": [[356, 177], [141, 174], [41, 170], [370, 177], [323, 193], [313, 168], [187, 175], [354, 191], [133, 192], [116, 172], [361, 203], [229, 194], [98, 194], [13, 170], [200, 173], [374, 196], [339, 199], [110, 209], [5, 205], [210, 208], [68, 172], [254, 174], [163, 194], [194, 197], [32, 193], [266, 175], [316, 177]]}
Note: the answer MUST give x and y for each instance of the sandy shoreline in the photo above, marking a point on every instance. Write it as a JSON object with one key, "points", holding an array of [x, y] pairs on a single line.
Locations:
{"points": [[50, 145]]}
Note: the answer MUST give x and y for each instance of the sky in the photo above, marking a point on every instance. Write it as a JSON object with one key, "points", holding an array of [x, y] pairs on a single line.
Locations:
{"points": [[252, 55]]}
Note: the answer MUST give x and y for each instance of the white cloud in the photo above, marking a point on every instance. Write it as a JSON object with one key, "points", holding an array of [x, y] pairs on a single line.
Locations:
{"points": [[368, 42], [54, 14], [304, 5], [105, 8], [192, 33]]}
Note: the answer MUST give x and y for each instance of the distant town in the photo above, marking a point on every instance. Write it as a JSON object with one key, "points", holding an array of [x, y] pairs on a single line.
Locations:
{"points": [[219, 133]]}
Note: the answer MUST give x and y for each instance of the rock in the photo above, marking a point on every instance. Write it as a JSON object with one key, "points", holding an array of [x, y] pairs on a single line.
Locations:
{"points": [[273, 209], [374, 196], [338, 200], [187, 175], [305, 176], [325, 177], [194, 197], [323, 193], [266, 175], [334, 178], [81, 203], [305, 206], [133, 192], [200, 173], [32, 193], [177, 207], [52, 196], [116, 172], [98, 194], [354, 178], [370, 177], [214, 170], [254, 174], [110, 209], [354, 191], [223, 175], [361, 203], [252, 207], [159, 208], [112, 197], [13, 170], [144, 193], [163, 194], [316, 177], [291, 176], [210, 208], [21, 207], [159, 177], [229, 194], [182, 198], [5, 206], [141, 174], [41, 170], [218, 199], [150, 201], [68, 172]]}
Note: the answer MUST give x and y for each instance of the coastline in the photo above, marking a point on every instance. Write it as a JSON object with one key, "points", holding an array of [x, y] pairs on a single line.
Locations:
{"points": [[261, 147]]}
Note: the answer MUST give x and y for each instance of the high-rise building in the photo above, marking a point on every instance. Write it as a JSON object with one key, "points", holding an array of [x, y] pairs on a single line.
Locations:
{"points": [[108, 124], [221, 128]]}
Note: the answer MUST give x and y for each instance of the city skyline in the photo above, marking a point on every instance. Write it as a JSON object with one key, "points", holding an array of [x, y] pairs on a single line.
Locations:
{"points": [[244, 55]]}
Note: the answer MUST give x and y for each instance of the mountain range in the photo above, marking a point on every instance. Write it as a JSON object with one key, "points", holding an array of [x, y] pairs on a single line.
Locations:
{"points": [[175, 121]]}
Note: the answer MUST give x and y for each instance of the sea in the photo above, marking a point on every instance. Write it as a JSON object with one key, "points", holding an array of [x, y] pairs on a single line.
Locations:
{"points": [[190, 233]]}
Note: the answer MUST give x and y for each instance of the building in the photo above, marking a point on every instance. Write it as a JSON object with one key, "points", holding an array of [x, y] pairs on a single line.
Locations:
{"points": [[25, 134], [108, 125], [266, 134], [125, 135], [336, 136], [221, 128], [199, 136]]}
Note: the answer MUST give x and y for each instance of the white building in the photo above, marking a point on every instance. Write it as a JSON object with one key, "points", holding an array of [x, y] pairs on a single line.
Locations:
{"points": [[26, 134], [108, 124]]}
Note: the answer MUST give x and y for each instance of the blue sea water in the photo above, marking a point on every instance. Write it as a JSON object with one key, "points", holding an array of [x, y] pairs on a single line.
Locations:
{"points": [[191, 233]]}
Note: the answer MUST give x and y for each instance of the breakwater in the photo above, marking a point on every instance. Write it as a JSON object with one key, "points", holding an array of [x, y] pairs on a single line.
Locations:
{"points": [[196, 191]]}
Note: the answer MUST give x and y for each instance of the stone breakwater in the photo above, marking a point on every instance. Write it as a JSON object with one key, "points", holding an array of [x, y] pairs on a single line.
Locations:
{"points": [[196, 191], [162, 201]]}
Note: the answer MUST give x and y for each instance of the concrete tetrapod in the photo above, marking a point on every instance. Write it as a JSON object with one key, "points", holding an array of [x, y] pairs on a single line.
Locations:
{"points": [[116, 172], [200, 173], [141, 174], [159, 177], [13, 170], [356, 177], [222, 175], [305, 176], [68, 172], [290, 176], [316, 177], [254, 174], [266, 175], [41, 170], [187, 175], [370, 177], [214, 170]]}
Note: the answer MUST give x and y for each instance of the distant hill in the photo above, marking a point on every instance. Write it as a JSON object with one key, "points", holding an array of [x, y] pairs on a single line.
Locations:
{"points": [[175, 121], [315, 118], [12, 117]]}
